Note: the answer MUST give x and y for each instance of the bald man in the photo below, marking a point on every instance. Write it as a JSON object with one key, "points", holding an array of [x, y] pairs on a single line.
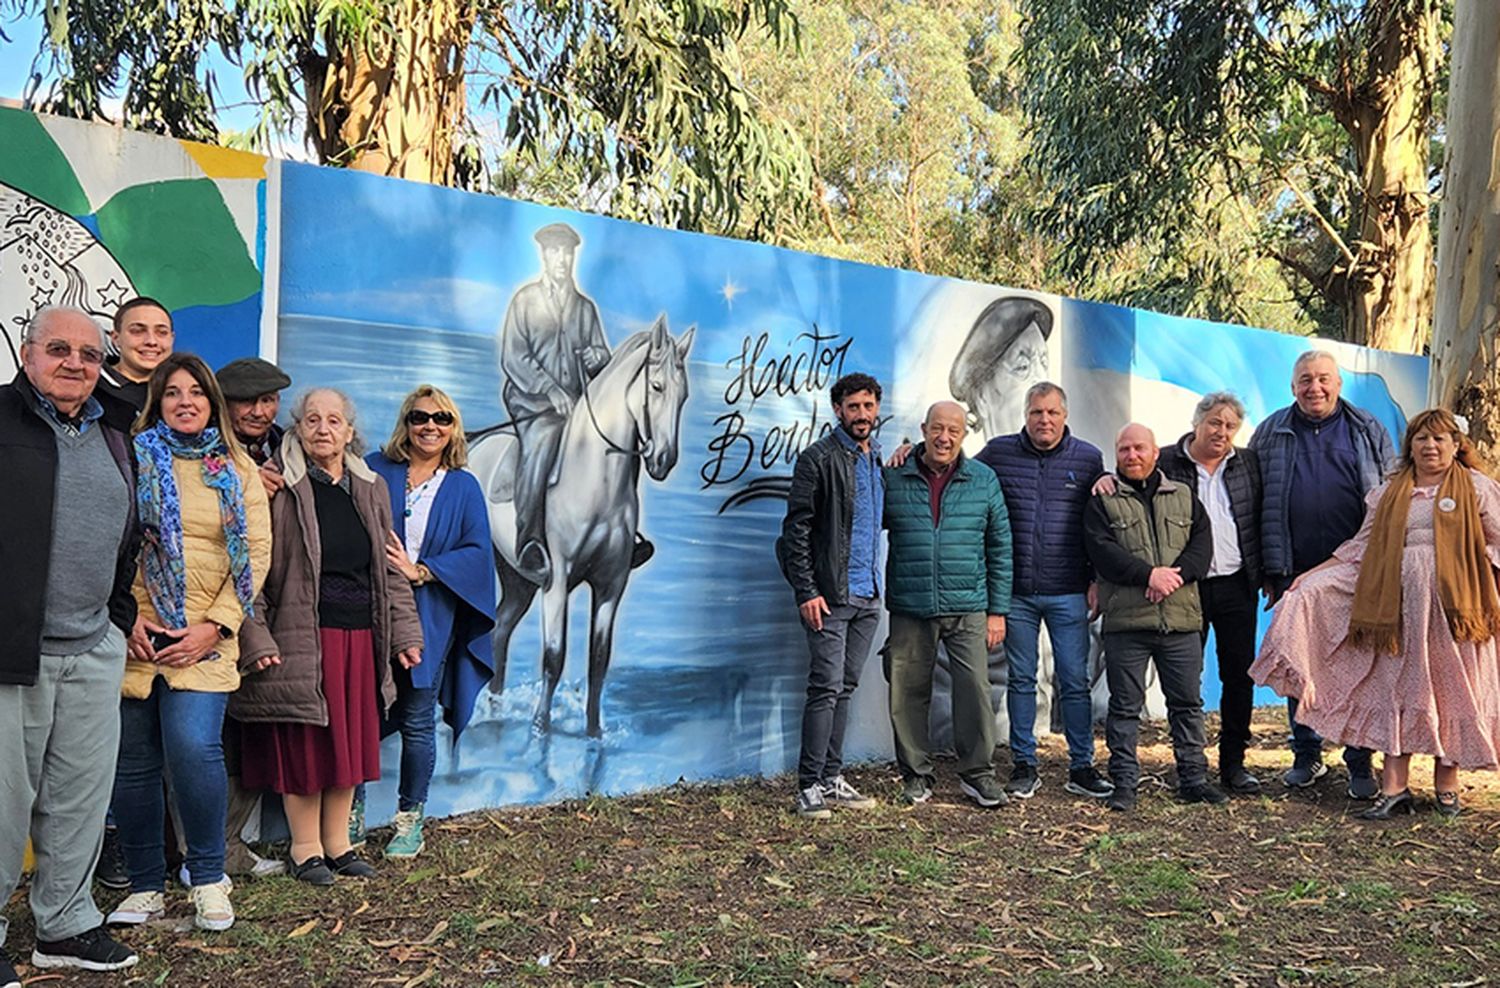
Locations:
{"points": [[948, 576], [1150, 542]]}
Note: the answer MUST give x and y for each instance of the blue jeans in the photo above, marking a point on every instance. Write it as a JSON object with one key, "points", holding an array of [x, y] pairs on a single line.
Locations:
{"points": [[1067, 617], [181, 731], [414, 715]]}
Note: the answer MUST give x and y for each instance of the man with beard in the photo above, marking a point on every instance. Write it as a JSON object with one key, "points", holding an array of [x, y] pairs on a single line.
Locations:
{"points": [[830, 553]]}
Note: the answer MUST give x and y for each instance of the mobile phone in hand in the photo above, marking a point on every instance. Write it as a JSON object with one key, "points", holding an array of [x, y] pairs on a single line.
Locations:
{"points": [[160, 640]]}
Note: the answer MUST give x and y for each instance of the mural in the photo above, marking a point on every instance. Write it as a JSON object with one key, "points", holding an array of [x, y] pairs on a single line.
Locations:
{"points": [[92, 215], [637, 398]]}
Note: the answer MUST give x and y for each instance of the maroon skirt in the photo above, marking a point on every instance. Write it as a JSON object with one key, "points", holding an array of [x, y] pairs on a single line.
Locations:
{"points": [[302, 759]]}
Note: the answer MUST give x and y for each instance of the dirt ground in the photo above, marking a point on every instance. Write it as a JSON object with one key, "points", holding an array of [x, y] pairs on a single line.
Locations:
{"points": [[720, 886]]}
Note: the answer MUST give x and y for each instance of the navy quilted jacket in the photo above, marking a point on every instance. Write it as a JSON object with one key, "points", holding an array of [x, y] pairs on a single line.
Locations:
{"points": [[1045, 493]]}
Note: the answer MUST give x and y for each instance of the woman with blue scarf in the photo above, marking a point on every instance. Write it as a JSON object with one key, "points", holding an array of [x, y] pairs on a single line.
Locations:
{"points": [[441, 544], [207, 547]]}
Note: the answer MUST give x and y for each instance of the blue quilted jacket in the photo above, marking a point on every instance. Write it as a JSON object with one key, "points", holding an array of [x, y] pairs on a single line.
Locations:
{"points": [[1045, 493]]}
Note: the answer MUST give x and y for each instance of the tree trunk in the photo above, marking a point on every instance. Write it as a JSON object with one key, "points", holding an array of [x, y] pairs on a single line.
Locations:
{"points": [[392, 107], [1389, 284], [1465, 371]]}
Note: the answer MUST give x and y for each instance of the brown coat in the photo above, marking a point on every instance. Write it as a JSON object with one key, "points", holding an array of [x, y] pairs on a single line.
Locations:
{"points": [[286, 613]]}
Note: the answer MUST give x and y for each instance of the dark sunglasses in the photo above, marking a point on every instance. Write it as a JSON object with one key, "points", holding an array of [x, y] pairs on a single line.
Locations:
{"points": [[418, 417]]}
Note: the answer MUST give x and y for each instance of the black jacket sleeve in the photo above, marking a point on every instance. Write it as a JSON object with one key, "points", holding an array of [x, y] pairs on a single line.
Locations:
{"points": [[794, 548], [1111, 562], [1198, 555]]}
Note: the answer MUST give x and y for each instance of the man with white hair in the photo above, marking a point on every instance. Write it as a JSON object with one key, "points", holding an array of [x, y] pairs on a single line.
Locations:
{"points": [[67, 559], [1319, 457]]}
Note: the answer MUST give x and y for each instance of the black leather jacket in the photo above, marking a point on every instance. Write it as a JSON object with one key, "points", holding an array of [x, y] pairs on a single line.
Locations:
{"points": [[813, 549]]}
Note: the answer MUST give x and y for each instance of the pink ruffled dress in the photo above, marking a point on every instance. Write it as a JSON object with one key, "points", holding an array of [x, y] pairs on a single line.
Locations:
{"points": [[1437, 696]]}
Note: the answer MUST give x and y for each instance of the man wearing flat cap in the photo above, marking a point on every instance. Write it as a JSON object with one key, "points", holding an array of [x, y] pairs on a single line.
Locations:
{"points": [[551, 345], [252, 389]]}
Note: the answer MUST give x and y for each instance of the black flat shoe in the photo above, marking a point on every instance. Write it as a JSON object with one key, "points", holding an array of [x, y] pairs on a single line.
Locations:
{"points": [[1390, 804], [351, 865], [313, 871], [1447, 804]]}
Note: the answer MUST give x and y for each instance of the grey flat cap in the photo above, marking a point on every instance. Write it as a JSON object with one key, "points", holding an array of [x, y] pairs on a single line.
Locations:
{"points": [[251, 377]]}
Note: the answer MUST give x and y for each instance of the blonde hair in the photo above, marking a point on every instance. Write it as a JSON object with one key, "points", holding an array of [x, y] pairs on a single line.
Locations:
{"points": [[398, 447]]}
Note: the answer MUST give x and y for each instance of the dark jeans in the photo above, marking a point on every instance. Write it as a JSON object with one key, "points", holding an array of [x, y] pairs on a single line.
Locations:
{"points": [[540, 434], [1178, 656], [183, 731], [1229, 607], [1306, 742], [838, 654], [414, 716]]}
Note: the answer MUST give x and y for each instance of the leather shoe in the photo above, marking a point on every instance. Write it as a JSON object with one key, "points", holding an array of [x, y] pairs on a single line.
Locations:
{"points": [[1447, 804], [641, 552], [1390, 804], [1239, 781], [351, 865], [313, 871]]}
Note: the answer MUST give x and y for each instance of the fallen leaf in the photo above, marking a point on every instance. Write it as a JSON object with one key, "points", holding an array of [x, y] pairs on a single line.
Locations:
{"points": [[424, 976], [302, 930]]}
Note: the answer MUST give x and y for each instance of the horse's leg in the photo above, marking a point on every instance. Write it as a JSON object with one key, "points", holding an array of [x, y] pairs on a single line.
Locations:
{"points": [[601, 643], [554, 645], [516, 593]]}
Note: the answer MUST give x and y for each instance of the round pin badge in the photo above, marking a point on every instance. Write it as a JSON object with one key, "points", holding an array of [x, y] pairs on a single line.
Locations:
{"points": [[1447, 504]]}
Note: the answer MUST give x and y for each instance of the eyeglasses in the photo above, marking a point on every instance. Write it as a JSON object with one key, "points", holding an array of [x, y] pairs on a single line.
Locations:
{"points": [[418, 417], [58, 350]]}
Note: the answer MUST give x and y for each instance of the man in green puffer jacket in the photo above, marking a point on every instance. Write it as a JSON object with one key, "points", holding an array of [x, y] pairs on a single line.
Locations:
{"points": [[948, 575], [1151, 542]]}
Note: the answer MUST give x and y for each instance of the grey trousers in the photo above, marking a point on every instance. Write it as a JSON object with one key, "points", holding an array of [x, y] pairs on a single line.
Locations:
{"points": [[58, 743], [909, 664], [1179, 666], [838, 654]]}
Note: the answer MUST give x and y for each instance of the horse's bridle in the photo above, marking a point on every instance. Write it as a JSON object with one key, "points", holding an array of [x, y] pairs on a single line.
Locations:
{"points": [[642, 447]]}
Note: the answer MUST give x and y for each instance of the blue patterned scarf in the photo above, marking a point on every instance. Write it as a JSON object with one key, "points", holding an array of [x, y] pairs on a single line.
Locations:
{"points": [[161, 515]]}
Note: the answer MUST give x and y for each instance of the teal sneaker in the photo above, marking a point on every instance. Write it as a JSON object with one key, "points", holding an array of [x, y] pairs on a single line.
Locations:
{"points": [[357, 824], [408, 841]]}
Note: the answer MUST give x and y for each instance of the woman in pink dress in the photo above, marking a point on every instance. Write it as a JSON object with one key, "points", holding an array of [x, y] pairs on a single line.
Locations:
{"points": [[1390, 644]]}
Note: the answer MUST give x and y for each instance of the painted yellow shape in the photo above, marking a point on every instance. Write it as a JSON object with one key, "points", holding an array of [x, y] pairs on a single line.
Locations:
{"points": [[29, 862], [218, 162]]}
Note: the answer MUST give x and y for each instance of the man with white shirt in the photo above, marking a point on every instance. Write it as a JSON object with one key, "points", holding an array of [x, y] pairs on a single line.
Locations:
{"points": [[1226, 480]]}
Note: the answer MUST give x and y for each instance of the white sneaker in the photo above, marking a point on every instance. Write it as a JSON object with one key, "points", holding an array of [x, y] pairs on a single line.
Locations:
{"points": [[138, 908], [186, 880], [838, 792], [265, 867], [211, 904]]}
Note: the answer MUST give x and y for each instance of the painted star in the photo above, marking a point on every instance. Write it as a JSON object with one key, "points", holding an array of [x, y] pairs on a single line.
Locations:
{"points": [[40, 298], [112, 295], [729, 291]]}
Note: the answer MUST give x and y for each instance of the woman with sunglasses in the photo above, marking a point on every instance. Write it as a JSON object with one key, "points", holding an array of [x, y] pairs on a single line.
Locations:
{"points": [[441, 544]]}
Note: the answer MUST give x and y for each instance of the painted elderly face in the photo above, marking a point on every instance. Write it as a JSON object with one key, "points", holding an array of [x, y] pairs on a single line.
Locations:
{"points": [[999, 406], [1135, 453], [144, 340], [63, 362], [184, 404], [557, 261], [1316, 387], [325, 430], [252, 418]]}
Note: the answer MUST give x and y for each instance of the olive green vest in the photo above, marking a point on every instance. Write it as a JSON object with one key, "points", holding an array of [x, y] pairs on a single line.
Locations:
{"points": [[1126, 608]]}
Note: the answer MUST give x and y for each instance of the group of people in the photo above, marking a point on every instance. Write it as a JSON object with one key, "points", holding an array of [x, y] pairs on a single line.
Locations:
{"points": [[1381, 569], [200, 608]]}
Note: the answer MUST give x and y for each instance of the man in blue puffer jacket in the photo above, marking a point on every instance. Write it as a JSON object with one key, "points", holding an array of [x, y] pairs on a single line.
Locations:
{"points": [[1045, 472], [1319, 457], [948, 576]]}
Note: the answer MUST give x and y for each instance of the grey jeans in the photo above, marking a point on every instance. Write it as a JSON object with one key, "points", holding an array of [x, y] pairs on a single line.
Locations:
{"points": [[838, 653], [1179, 667], [58, 743]]}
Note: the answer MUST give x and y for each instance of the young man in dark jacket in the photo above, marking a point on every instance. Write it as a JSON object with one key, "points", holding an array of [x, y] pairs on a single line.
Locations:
{"points": [[68, 558], [830, 553], [1150, 543]]}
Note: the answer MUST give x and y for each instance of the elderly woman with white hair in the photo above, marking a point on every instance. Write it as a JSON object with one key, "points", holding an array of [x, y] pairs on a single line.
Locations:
{"points": [[334, 616]]}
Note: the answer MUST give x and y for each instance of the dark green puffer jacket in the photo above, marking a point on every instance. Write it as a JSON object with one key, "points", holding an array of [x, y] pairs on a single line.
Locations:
{"points": [[961, 566]]}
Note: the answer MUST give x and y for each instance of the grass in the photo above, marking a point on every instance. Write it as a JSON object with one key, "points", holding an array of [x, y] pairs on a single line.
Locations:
{"points": [[722, 886]]}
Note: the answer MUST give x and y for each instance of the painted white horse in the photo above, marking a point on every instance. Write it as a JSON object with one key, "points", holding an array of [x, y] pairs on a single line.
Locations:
{"points": [[629, 416]]}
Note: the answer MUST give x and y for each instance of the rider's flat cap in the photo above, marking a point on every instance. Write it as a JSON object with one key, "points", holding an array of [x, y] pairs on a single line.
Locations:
{"points": [[251, 377], [557, 235]]}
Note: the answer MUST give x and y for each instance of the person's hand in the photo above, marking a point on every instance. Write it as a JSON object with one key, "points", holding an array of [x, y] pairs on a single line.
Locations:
{"points": [[813, 611], [561, 403], [1164, 580], [138, 645], [1309, 695], [595, 356], [395, 554], [193, 643], [265, 662], [899, 454], [994, 631], [1091, 598], [1104, 485], [271, 478], [409, 657]]}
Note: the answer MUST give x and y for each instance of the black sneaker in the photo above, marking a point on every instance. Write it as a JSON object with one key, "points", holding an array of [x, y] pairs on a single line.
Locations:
{"points": [[1024, 782], [351, 865], [8, 976], [985, 790], [1202, 792], [109, 870], [1121, 800], [1238, 780], [92, 950], [1305, 770], [314, 870], [1087, 781], [1363, 785]]}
